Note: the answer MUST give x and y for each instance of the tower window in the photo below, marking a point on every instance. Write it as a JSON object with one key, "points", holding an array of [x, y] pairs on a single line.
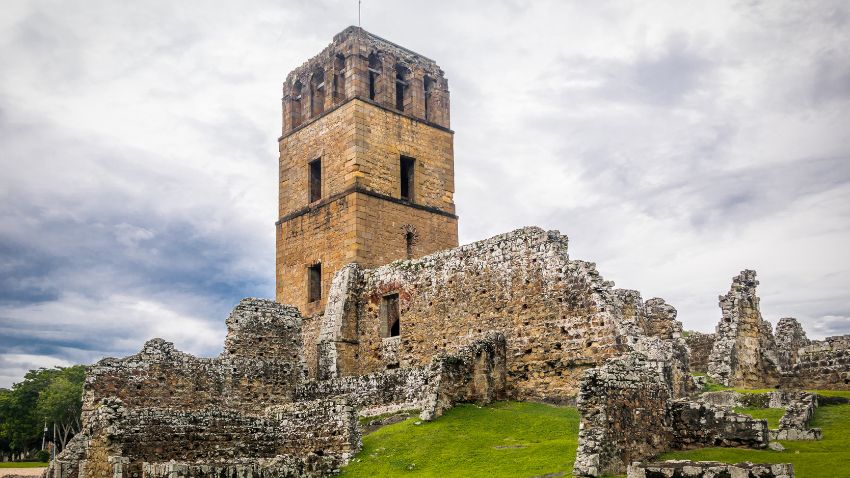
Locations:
{"points": [[407, 170], [408, 239], [374, 71], [390, 323], [428, 85], [315, 185], [317, 93], [402, 90], [339, 77], [314, 282], [295, 118]]}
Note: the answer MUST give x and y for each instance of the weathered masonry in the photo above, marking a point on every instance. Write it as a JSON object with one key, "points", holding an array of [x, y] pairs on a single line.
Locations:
{"points": [[366, 164]]}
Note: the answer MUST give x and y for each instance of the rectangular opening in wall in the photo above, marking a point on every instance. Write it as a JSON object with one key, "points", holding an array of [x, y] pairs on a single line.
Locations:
{"points": [[407, 170], [315, 185], [314, 282], [390, 323], [373, 84]]}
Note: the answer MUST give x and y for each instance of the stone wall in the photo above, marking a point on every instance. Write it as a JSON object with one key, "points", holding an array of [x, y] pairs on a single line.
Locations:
{"points": [[559, 317], [744, 352], [229, 412], [799, 412], [628, 414], [700, 346], [473, 373], [698, 469], [823, 364], [790, 338], [623, 406]]}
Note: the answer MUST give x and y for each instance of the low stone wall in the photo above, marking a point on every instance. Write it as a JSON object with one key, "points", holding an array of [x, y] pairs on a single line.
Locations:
{"points": [[799, 412], [697, 425], [278, 467], [694, 469]]}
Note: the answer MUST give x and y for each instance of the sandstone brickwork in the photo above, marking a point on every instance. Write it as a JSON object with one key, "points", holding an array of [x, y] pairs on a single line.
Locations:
{"points": [[356, 112], [744, 352]]}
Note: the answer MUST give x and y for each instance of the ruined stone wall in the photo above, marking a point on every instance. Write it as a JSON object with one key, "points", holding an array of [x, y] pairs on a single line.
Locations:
{"points": [[623, 407], [473, 373], [744, 352], [162, 405], [261, 364], [628, 414], [790, 338], [700, 346], [698, 469], [558, 316], [821, 365], [310, 329], [697, 425]]}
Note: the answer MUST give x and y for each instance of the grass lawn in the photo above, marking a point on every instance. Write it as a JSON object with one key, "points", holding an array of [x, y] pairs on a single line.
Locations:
{"points": [[23, 464], [506, 439], [772, 415], [829, 457]]}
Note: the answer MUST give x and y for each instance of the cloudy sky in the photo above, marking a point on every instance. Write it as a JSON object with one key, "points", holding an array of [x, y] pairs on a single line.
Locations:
{"points": [[676, 143]]}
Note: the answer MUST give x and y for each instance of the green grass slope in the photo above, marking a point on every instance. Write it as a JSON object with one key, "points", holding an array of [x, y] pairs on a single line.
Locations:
{"points": [[506, 439]]}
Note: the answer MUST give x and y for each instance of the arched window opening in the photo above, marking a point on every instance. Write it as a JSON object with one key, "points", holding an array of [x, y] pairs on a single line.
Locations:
{"points": [[295, 115], [428, 86], [339, 78], [317, 92], [402, 86], [374, 71]]}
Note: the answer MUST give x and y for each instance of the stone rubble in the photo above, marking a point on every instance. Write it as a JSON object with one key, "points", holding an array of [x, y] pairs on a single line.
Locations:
{"points": [[709, 469]]}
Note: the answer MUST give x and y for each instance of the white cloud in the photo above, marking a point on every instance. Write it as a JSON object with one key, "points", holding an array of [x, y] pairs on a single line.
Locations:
{"points": [[675, 143]]}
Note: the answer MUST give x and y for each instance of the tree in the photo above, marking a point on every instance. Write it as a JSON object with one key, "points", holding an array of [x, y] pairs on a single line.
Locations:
{"points": [[52, 395], [62, 402]]}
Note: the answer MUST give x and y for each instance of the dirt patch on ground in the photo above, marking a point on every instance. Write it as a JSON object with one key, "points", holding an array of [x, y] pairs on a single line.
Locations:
{"points": [[15, 472]]}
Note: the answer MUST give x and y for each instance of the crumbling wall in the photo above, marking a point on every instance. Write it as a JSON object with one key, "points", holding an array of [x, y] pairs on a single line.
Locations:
{"points": [[694, 469], [790, 338], [697, 425], [628, 414], [261, 364], [744, 352], [231, 411], [799, 412], [823, 364], [558, 316], [700, 346], [623, 407], [473, 373]]}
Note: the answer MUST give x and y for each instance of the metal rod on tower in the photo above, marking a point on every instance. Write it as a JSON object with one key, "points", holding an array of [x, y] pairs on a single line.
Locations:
{"points": [[358, 13]]}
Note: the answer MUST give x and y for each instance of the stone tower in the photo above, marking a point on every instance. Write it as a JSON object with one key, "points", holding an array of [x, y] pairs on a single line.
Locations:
{"points": [[366, 164]]}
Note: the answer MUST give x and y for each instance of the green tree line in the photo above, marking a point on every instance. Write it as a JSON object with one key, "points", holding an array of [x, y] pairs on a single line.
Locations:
{"points": [[51, 396]]}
